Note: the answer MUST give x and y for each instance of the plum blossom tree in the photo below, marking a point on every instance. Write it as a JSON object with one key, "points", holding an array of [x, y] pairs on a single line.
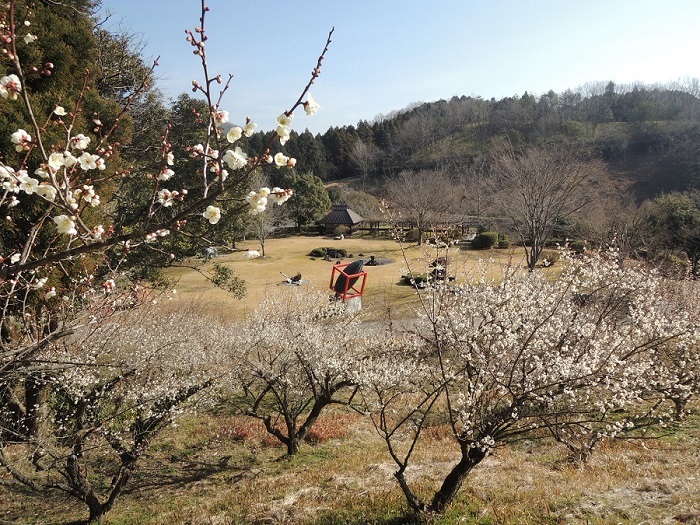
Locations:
{"points": [[505, 360], [63, 179], [299, 353], [115, 385], [63, 250]]}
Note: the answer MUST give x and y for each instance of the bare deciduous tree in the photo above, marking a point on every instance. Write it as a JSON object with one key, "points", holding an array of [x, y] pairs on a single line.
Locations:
{"points": [[365, 157], [536, 188], [423, 197]]}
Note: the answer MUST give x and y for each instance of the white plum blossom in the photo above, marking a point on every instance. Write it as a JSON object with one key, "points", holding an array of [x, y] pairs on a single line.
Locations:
{"points": [[51, 293], [71, 200], [221, 117], [257, 200], [197, 150], [88, 194], [60, 111], [283, 134], [212, 214], [158, 233], [10, 87], [279, 195], [98, 231], [235, 133], [69, 159], [80, 141], [30, 39], [166, 197], [56, 160], [11, 179], [15, 258], [88, 161], [41, 172], [281, 159], [65, 225], [28, 184], [249, 128], [311, 106], [285, 120], [236, 158], [165, 174], [47, 191], [21, 139], [170, 158], [109, 285]]}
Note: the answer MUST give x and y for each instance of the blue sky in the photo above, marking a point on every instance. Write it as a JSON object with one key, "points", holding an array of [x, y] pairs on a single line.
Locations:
{"points": [[387, 54]]}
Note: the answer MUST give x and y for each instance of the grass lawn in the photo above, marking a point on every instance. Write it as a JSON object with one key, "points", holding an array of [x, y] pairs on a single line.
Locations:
{"points": [[290, 256]]}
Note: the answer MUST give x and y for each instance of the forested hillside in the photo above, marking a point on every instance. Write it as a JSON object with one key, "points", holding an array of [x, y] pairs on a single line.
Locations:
{"points": [[647, 134]]}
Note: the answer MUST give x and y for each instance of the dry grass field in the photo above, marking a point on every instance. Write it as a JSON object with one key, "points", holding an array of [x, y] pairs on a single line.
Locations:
{"points": [[290, 256], [222, 469]]}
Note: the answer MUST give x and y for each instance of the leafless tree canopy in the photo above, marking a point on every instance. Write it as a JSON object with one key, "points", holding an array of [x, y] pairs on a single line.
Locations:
{"points": [[424, 197], [537, 187]]}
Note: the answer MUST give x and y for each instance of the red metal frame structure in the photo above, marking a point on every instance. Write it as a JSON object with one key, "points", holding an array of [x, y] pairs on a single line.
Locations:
{"points": [[354, 283]]}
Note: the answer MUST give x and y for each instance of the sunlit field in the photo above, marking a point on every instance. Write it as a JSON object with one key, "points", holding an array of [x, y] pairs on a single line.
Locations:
{"points": [[289, 256]]}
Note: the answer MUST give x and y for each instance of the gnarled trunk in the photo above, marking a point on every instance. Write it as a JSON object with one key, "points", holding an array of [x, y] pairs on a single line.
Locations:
{"points": [[471, 456]]}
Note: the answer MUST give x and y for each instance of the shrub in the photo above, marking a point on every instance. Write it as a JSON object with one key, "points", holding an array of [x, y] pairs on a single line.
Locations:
{"points": [[341, 229], [412, 235], [416, 279], [579, 246], [549, 257], [331, 252], [503, 241], [485, 240]]}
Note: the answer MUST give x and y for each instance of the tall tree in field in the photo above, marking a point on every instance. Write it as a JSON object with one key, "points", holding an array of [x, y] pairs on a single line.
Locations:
{"points": [[422, 196], [538, 187]]}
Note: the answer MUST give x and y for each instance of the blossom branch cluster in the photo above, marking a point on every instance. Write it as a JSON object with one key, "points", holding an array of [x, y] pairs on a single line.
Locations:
{"points": [[64, 176]]}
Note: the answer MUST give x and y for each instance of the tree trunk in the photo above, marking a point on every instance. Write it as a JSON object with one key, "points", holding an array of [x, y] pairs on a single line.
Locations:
{"points": [[453, 482], [679, 403], [293, 445], [34, 394], [97, 510]]}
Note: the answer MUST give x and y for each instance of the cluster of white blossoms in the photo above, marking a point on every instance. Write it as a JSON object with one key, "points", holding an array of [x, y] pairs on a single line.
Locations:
{"points": [[281, 160], [65, 224], [158, 233], [259, 200], [236, 132], [284, 122], [10, 87], [53, 179], [167, 197], [235, 158]]}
